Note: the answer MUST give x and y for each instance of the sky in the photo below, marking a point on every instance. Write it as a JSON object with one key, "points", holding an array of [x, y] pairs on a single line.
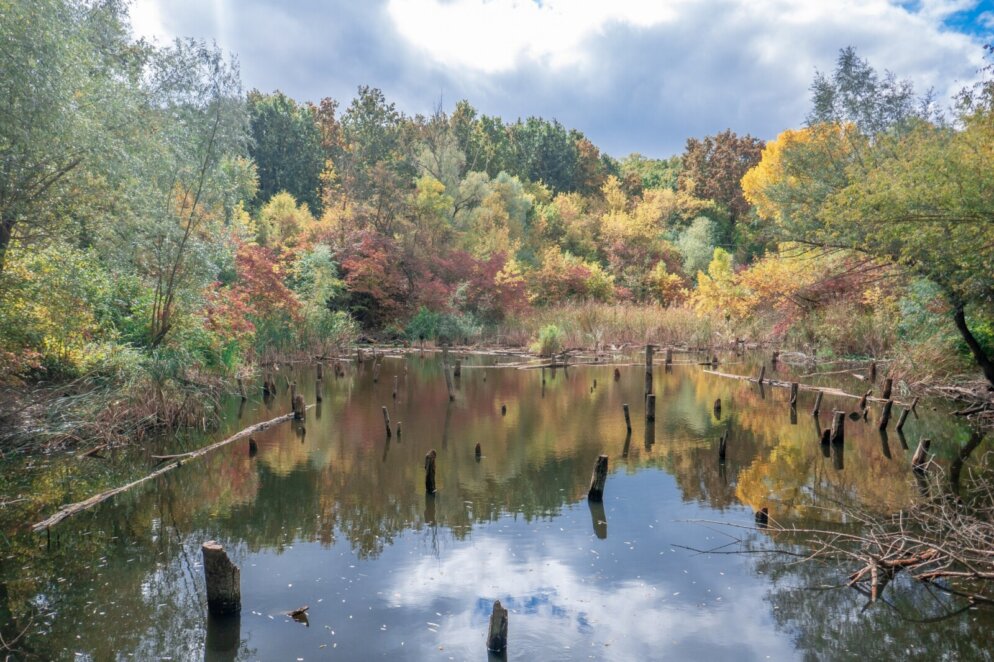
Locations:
{"points": [[633, 75]]}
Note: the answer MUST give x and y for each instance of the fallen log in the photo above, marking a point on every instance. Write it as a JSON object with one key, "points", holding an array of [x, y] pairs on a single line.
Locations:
{"points": [[804, 387], [175, 461]]}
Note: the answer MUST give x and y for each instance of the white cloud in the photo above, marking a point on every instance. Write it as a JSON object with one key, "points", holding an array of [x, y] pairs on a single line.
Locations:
{"points": [[496, 35]]}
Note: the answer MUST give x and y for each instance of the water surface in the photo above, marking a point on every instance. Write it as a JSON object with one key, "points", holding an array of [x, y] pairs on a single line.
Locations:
{"points": [[332, 514]]}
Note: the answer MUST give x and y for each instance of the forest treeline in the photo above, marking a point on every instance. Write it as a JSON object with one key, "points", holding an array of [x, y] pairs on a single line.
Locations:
{"points": [[161, 227]]}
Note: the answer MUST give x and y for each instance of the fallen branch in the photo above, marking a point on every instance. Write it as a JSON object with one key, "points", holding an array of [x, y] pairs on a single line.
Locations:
{"points": [[176, 460], [804, 387]]}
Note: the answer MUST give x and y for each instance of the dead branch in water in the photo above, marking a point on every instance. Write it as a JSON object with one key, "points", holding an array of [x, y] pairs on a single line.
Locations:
{"points": [[175, 461]]}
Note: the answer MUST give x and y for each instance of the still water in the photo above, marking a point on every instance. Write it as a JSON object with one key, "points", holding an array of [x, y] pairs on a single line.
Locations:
{"points": [[333, 515]]}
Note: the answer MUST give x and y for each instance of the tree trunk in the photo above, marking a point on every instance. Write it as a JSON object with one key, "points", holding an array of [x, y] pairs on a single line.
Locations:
{"points": [[984, 361]]}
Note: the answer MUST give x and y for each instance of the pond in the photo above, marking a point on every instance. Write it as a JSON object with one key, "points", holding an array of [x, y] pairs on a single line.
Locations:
{"points": [[333, 514]]}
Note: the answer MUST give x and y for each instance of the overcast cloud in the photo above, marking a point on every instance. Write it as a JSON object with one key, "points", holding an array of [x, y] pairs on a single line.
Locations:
{"points": [[634, 75]]}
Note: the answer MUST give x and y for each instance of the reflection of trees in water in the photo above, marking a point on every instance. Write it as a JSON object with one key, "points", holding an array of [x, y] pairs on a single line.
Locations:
{"points": [[832, 622]]}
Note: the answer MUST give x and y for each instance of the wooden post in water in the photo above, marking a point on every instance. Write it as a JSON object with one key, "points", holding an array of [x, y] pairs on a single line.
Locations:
{"points": [[617, 374], [478, 452], [862, 401], [386, 421], [543, 375], [826, 437], [873, 371], [903, 417], [299, 408], [224, 591], [430, 471], [448, 375], [458, 369], [318, 396], [293, 391], [838, 427], [503, 410], [253, 447], [241, 389], [722, 445], [762, 374], [717, 408], [920, 459], [648, 368], [396, 379], [597, 480], [793, 394], [628, 419], [885, 415], [669, 357], [817, 409], [376, 371], [650, 407], [497, 634], [319, 368], [398, 430], [888, 386]]}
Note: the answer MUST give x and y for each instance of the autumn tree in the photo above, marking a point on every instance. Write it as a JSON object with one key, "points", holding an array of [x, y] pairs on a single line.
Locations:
{"points": [[714, 166]]}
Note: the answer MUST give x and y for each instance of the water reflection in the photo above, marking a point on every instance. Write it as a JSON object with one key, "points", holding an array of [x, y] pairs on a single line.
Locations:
{"points": [[332, 512]]}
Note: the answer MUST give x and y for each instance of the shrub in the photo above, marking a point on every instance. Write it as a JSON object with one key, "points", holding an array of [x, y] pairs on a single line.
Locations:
{"points": [[550, 340]]}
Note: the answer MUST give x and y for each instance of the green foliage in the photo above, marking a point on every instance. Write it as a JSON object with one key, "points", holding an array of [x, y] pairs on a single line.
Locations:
{"points": [[440, 327], [286, 148], [696, 244], [549, 341]]}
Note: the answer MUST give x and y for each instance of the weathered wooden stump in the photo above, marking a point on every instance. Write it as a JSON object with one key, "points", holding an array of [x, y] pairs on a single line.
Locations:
{"points": [[293, 391], [396, 381], [793, 394], [862, 401], [497, 634], [885, 415], [775, 358], [669, 357], [299, 408], [888, 387], [919, 461], [722, 445], [817, 407], [650, 407], [826, 437], [224, 592], [386, 421], [457, 372], [628, 419], [503, 410], [617, 374], [398, 430], [717, 408], [253, 447], [478, 452], [838, 427], [873, 371], [318, 395], [648, 368], [902, 418], [597, 479], [762, 374], [430, 471]]}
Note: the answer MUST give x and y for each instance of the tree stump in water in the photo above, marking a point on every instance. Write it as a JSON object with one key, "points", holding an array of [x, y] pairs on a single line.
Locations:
{"points": [[793, 394], [293, 391], [319, 368], [457, 372], [722, 444], [904, 417], [648, 368], [617, 375], [628, 419], [888, 386], [396, 380], [503, 410], [762, 374], [224, 593], [597, 480], [299, 407], [253, 447], [717, 408], [826, 437], [669, 357], [838, 428], [430, 471], [497, 634], [885, 415], [919, 460], [862, 401], [817, 407], [650, 407], [479, 452], [386, 421], [873, 371]]}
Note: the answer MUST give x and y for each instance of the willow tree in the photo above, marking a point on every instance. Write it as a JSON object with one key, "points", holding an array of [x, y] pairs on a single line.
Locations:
{"points": [[877, 170]]}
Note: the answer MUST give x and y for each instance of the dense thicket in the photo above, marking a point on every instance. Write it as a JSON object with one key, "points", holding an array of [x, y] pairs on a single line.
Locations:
{"points": [[155, 220]]}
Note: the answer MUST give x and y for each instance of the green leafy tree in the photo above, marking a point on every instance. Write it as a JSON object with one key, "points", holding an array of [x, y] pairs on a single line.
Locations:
{"points": [[286, 147]]}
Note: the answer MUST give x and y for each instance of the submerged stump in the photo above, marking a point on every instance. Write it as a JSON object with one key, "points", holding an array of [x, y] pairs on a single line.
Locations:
{"points": [[224, 592], [299, 407], [598, 479], [497, 634], [430, 471]]}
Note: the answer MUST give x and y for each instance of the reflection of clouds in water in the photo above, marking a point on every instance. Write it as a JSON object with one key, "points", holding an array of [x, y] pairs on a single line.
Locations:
{"points": [[554, 606]]}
